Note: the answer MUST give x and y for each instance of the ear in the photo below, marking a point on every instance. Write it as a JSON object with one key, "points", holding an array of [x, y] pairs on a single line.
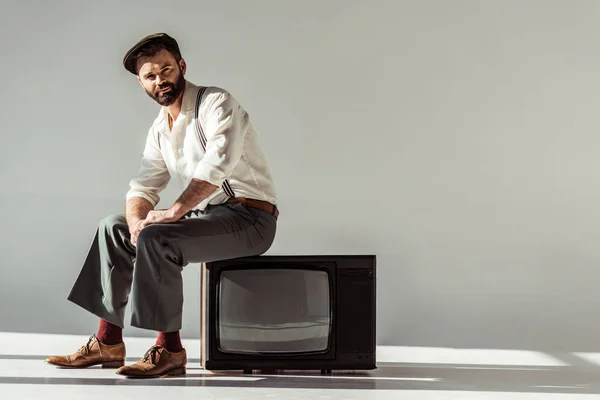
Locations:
{"points": [[140, 80], [183, 66]]}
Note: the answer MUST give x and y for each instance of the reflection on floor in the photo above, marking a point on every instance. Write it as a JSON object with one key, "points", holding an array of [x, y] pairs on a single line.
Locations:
{"points": [[402, 373]]}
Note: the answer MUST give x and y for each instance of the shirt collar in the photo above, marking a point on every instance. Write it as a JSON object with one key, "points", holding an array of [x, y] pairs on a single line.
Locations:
{"points": [[189, 97]]}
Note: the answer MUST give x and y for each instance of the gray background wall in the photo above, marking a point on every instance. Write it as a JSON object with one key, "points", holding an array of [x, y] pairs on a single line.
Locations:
{"points": [[456, 140]]}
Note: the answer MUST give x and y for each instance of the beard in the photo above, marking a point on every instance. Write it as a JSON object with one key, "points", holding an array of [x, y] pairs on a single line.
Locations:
{"points": [[172, 93]]}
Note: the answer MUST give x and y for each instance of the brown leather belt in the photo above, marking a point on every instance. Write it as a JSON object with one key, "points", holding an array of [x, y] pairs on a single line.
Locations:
{"points": [[260, 204]]}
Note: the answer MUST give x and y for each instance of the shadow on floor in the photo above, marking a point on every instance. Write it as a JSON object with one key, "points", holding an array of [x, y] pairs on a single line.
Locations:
{"points": [[579, 377]]}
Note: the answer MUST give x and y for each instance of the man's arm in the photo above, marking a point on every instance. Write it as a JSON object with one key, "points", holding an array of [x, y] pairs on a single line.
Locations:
{"points": [[225, 124], [151, 179], [196, 192], [136, 210]]}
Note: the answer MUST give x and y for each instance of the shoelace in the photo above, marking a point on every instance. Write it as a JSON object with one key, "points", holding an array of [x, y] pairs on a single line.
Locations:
{"points": [[151, 354], [86, 349]]}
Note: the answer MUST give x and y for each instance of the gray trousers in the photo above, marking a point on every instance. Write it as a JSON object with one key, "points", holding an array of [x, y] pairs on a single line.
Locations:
{"points": [[151, 271]]}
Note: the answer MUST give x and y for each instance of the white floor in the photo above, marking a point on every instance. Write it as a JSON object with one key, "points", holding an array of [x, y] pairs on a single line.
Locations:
{"points": [[402, 373]]}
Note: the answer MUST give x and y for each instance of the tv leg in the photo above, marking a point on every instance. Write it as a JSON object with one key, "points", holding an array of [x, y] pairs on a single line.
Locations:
{"points": [[247, 372], [325, 372]]}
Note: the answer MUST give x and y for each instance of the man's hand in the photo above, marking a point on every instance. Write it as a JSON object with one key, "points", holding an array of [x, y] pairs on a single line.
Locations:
{"points": [[136, 210], [135, 231], [154, 217], [159, 217], [196, 192]]}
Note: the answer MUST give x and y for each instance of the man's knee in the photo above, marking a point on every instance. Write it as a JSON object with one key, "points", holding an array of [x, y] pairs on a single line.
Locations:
{"points": [[151, 233], [109, 222]]}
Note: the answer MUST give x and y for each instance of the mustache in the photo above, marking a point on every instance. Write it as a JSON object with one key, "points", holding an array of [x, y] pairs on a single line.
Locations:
{"points": [[164, 86]]}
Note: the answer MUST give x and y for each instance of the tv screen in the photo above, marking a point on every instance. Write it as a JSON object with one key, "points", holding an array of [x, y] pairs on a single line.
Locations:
{"points": [[274, 311]]}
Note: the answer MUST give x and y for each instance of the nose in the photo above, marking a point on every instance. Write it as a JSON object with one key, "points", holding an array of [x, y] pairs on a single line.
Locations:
{"points": [[159, 79]]}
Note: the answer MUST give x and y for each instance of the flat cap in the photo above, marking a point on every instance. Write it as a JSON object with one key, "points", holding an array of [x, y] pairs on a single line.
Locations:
{"points": [[155, 38]]}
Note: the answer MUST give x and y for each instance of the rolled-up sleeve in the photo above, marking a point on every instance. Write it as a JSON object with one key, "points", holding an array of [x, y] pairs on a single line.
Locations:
{"points": [[225, 124], [153, 175]]}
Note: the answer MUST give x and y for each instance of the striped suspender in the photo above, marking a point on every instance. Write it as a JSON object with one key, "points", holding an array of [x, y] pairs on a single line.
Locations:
{"points": [[226, 187]]}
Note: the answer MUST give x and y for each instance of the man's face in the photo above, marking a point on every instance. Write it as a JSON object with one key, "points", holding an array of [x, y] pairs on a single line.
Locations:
{"points": [[162, 77]]}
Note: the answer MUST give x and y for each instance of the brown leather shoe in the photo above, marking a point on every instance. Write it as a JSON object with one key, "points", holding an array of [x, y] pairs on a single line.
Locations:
{"points": [[93, 353], [157, 362]]}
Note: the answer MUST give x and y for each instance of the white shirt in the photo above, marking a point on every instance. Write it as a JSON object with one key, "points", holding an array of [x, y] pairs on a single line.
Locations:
{"points": [[232, 151]]}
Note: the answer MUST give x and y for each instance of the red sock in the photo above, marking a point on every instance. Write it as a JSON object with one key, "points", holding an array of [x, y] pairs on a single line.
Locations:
{"points": [[109, 333], [170, 341]]}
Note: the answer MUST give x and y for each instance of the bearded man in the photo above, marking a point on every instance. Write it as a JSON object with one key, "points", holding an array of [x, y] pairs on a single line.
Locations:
{"points": [[204, 139]]}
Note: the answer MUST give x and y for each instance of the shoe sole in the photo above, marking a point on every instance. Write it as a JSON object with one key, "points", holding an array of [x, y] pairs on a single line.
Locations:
{"points": [[108, 364], [171, 373]]}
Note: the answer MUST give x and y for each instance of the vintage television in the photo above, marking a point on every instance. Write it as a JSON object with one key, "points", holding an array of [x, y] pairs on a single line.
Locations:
{"points": [[289, 313]]}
